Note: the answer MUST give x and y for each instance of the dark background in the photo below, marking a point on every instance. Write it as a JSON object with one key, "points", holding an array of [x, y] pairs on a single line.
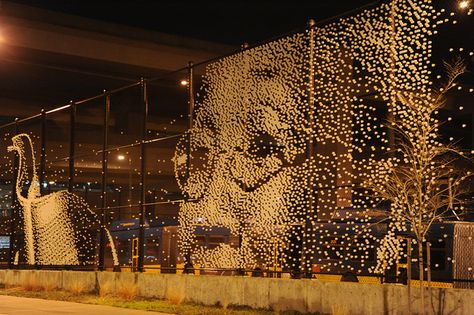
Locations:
{"points": [[230, 22]]}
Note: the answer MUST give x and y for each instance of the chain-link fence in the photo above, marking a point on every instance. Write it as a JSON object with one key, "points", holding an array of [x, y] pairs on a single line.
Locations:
{"points": [[252, 163]]}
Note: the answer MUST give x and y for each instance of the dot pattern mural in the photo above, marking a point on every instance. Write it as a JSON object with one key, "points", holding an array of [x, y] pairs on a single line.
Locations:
{"points": [[59, 228], [244, 147], [289, 136], [327, 151]]}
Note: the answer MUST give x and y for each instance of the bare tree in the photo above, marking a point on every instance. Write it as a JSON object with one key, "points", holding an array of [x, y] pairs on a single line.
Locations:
{"points": [[420, 180]]}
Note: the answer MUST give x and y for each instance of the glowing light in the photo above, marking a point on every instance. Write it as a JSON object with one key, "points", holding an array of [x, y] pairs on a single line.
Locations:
{"points": [[464, 4], [121, 157], [184, 82]]}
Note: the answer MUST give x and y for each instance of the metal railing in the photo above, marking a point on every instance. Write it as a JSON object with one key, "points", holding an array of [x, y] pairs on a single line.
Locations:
{"points": [[106, 148]]}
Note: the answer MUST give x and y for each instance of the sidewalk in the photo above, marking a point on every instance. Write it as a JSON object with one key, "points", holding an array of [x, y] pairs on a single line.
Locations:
{"points": [[11, 305]]}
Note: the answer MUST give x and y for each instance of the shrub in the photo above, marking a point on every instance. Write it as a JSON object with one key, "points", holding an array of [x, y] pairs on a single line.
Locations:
{"points": [[32, 284], [76, 287], [127, 291], [49, 286], [339, 310], [105, 289], [175, 295]]}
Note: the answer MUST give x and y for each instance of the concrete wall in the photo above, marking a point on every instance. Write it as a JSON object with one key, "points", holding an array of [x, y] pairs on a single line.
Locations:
{"points": [[277, 294]]}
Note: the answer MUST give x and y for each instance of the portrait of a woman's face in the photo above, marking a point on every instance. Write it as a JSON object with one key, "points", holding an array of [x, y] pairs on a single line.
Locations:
{"points": [[246, 150]]}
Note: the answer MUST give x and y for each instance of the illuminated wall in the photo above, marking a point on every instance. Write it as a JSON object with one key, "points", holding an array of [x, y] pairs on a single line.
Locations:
{"points": [[284, 138], [308, 110]]}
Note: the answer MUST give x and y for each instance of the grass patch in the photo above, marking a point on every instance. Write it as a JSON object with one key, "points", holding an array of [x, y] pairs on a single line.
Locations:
{"points": [[137, 303]]}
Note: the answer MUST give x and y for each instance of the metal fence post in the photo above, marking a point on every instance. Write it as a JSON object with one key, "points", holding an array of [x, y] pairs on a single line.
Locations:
{"points": [[141, 234], [103, 196], [42, 169], [307, 230], [241, 270], [72, 139], [190, 115], [11, 254], [428, 264], [409, 273], [187, 263]]}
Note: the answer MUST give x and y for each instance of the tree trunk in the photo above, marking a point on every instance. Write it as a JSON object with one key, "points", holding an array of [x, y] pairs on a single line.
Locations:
{"points": [[421, 271]]}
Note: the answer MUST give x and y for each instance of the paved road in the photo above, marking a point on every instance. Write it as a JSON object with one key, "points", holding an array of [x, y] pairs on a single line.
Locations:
{"points": [[11, 305]]}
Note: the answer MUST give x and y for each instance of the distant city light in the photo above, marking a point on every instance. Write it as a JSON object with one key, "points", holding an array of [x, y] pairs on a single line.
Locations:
{"points": [[184, 82]]}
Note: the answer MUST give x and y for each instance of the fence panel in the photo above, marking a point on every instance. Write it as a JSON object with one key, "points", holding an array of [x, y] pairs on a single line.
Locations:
{"points": [[9, 223]]}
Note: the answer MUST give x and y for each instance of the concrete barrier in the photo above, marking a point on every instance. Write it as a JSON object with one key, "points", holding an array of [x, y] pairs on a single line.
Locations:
{"points": [[278, 294]]}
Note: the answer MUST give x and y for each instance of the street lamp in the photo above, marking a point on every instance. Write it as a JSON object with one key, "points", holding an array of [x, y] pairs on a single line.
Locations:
{"points": [[464, 4], [122, 157]]}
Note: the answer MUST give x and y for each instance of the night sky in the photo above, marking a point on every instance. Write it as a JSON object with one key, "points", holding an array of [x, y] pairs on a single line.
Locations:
{"points": [[230, 22]]}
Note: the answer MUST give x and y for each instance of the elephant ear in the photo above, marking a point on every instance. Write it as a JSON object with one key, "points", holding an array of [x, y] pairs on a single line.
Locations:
{"points": [[55, 238]]}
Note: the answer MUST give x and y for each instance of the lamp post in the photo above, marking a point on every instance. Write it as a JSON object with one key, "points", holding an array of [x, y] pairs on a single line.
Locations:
{"points": [[122, 158], [464, 4]]}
